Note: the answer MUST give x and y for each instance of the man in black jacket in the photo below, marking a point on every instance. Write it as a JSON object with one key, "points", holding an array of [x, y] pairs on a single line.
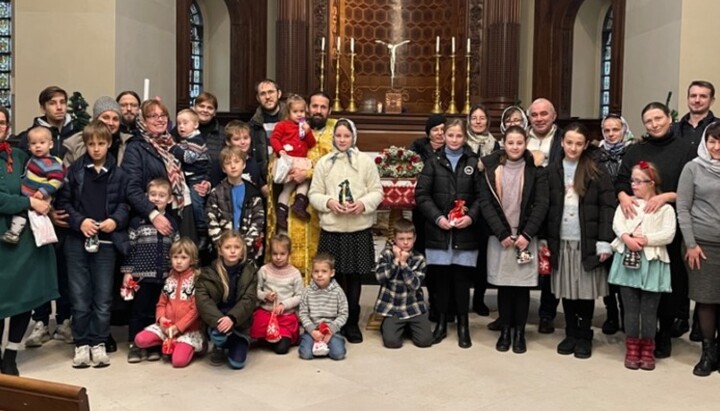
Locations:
{"points": [[262, 123], [700, 97]]}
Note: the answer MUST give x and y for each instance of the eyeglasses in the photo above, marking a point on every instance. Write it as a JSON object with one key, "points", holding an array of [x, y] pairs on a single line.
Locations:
{"points": [[156, 117], [636, 181]]}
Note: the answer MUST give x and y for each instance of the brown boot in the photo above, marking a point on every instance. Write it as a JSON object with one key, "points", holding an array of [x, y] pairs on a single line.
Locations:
{"points": [[299, 207], [632, 353], [281, 217], [647, 354]]}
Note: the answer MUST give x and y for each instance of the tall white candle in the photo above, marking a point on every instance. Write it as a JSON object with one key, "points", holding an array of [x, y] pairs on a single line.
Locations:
{"points": [[468, 45], [437, 44], [352, 44], [453, 45], [337, 44], [146, 89], [322, 44]]}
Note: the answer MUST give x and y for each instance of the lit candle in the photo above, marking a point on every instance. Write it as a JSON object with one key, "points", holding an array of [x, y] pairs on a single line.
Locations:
{"points": [[337, 44], [437, 45], [453, 45], [146, 89], [468, 45], [322, 44], [352, 44]]}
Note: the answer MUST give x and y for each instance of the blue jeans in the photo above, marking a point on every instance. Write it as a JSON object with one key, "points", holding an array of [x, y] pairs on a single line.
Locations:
{"points": [[336, 346], [90, 283], [198, 207], [237, 347]]}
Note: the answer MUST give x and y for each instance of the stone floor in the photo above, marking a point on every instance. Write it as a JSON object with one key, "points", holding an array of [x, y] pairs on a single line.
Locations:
{"points": [[443, 377]]}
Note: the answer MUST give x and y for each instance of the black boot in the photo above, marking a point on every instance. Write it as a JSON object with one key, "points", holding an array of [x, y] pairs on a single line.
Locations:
{"points": [[695, 333], [663, 344], [110, 344], [505, 340], [281, 218], [299, 207], [463, 329], [708, 360], [519, 346], [583, 347], [9, 364], [679, 327], [351, 331], [440, 331]]}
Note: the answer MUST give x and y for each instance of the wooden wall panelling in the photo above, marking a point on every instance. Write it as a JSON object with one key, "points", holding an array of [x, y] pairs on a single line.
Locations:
{"points": [[293, 47], [618, 51], [182, 50]]}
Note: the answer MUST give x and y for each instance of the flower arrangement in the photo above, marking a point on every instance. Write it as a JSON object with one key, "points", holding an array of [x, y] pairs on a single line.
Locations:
{"points": [[398, 162]]}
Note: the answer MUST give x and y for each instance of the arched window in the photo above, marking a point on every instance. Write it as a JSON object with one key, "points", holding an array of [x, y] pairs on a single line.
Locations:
{"points": [[196, 52], [6, 53], [605, 59]]}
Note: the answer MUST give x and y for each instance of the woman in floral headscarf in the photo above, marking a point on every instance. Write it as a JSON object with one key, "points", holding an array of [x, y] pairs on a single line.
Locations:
{"points": [[346, 193]]}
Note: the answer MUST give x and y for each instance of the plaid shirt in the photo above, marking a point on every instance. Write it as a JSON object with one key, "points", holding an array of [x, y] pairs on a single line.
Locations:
{"points": [[401, 293]]}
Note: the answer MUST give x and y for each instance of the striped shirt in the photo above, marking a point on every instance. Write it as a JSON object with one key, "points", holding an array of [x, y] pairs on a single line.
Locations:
{"points": [[43, 174], [323, 305]]}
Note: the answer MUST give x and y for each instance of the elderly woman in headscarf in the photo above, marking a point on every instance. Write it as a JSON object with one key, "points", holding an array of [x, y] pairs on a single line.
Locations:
{"points": [[513, 116], [28, 275], [346, 193], [617, 137]]}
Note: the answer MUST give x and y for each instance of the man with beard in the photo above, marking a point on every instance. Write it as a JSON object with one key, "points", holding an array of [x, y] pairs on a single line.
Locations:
{"points": [[129, 102], [700, 97], [262, 123], [305, 235]]}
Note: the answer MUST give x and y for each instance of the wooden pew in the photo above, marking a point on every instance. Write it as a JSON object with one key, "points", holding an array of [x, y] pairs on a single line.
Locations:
{"points": [[27, 394]]}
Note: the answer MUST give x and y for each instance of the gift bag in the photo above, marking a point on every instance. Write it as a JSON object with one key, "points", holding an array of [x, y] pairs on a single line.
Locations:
{"points": [[544, 267], [631, 259], [168, 345], [281, 169], [42, 229], [273, 329]]}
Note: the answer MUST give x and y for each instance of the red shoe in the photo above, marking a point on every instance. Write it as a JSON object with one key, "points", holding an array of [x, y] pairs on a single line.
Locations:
{"points": [[647, 354], [632, 353]]}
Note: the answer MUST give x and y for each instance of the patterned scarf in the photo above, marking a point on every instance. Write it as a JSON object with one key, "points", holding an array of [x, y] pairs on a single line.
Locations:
{"points": [[352, 150], [5, 146], [704, 157], [162, 144]]}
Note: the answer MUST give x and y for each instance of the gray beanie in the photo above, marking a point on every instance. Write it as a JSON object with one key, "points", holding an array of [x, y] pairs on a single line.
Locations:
{"points": [[104, 104]]}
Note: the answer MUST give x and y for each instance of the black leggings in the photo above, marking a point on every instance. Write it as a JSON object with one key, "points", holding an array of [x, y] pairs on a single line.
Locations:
{"points": [[513, 306], [454, 282], [18, 325], [708, 319], [351, 284]]}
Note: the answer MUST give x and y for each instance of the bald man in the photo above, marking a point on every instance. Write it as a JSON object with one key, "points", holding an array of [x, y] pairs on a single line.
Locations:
{"points": [[544, 136], [544, 139]]}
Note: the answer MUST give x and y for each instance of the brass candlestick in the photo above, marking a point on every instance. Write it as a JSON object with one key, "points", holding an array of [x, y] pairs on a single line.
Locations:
{"points": [[322, 70], [351, 104], [436, 105], [337, 107], [452, 108], [466, 110]]}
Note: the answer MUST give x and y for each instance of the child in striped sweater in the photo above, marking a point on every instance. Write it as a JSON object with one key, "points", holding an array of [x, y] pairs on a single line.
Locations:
{"points": [[323, 312], [279, 288], [44, 175]]}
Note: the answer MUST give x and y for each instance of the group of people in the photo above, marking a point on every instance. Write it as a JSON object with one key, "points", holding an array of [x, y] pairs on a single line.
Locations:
{"points": [[193, 227]]}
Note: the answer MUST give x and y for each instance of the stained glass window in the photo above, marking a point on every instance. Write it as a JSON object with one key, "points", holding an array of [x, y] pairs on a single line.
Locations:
{"points": [[6, 53], [605, 59], [196, 52]]}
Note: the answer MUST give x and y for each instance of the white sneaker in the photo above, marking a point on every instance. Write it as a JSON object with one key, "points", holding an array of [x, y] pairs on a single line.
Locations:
{"points": [[63, 332], [82, 357], [39, 336], [99, 356]]}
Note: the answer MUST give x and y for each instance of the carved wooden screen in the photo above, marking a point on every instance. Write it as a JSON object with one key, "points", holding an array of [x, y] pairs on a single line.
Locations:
{"points": [[394, 21]]}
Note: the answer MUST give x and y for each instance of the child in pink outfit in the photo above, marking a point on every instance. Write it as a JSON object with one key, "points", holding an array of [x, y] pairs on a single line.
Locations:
{"points": [[176, 314], [279, 289]]}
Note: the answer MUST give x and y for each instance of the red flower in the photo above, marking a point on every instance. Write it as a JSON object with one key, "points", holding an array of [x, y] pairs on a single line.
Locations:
{"points": [[415, 159], [400, 153], [378, 160], [409, 167]]}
